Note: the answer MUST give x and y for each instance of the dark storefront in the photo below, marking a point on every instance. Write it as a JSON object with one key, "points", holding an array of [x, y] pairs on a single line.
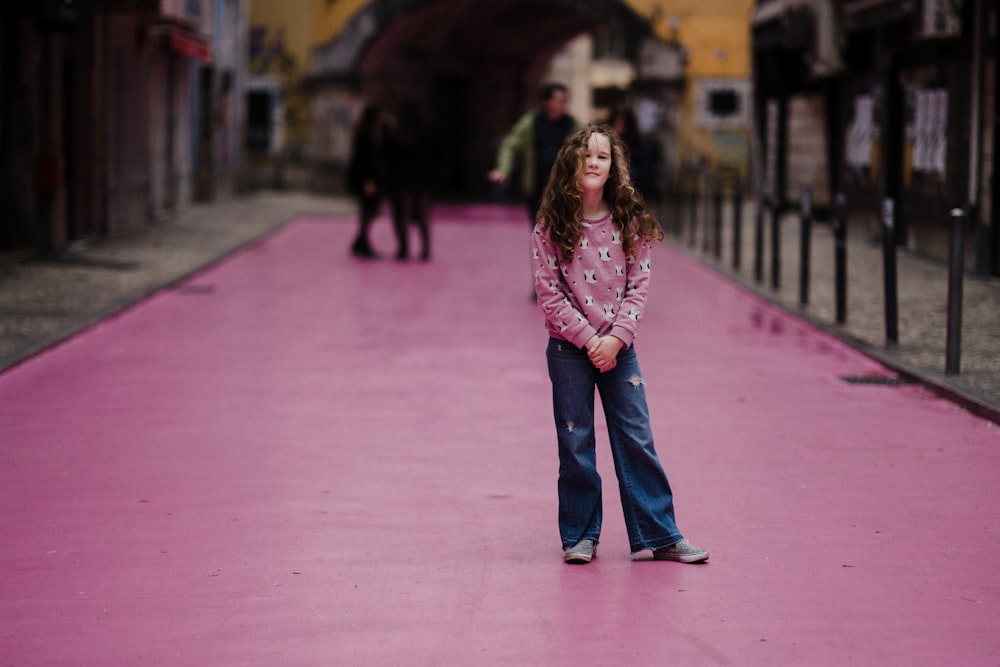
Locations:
{"points": [[905, 102]]}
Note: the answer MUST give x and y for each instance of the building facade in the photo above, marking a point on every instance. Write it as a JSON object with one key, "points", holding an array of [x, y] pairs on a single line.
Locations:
{"points": [[115, 113]]}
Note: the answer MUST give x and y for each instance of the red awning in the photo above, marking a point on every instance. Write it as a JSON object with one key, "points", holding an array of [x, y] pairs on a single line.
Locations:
{"points": [[191, 47]]}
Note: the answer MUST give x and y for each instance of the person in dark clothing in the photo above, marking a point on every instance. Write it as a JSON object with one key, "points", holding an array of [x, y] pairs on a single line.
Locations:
{"points": [[366, 174], [642, 162], [412, 161], [536, 139]]}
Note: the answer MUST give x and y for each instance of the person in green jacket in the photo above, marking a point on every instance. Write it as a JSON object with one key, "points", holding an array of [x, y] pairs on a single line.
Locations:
{"points": [[534, 142]]}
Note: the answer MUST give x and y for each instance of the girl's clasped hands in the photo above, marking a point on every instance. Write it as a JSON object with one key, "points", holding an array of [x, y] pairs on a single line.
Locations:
{"points": [[603, 351]]}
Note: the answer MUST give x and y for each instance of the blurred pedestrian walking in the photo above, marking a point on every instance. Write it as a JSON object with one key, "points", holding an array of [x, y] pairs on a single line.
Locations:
{"points": [[412, 160], [533, 144], [366, 174], [591, 253], [641, 153]]}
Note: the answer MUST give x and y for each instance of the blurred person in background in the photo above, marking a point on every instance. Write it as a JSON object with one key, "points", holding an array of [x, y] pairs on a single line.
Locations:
{"points": [[412, 167], [366, 173], [534, 142], [642, 161]]}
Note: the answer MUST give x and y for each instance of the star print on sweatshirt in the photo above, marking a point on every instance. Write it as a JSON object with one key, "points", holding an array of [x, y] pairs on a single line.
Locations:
{"points": [[600, 291]]}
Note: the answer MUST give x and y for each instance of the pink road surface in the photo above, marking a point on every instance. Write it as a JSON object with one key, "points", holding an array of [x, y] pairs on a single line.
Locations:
{"points": [[297, 458]]}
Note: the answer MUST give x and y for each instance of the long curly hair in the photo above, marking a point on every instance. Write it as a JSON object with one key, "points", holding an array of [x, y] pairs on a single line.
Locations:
{"points": [[561, 211]]}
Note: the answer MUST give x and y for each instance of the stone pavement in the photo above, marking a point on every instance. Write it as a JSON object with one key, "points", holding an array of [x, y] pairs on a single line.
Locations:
{"points": [[920, 352], [43, 302]]}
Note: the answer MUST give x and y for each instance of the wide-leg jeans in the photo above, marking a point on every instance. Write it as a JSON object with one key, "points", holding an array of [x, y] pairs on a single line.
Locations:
{"points": [[647, 500]]}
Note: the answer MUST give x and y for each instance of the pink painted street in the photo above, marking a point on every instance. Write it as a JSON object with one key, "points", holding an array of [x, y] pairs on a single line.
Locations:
{"points": [[295, 457]]}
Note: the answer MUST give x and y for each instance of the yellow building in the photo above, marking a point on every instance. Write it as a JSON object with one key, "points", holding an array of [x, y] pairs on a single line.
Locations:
{"points": [[716, 114], [282, 36]]}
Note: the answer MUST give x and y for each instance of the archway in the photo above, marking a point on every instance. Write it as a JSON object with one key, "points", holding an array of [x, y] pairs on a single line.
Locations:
{"points": [[474, 65]]}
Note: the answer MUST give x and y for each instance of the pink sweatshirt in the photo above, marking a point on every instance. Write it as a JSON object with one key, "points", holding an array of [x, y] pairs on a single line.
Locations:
{"points": [[601, 291]]}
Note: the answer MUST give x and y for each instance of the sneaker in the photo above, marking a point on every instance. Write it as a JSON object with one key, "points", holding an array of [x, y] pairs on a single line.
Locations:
{"points": [[581, 552], [681, 552]]}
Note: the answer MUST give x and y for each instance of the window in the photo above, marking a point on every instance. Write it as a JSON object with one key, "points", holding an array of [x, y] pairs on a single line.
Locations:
{"points": [[723, 103]]}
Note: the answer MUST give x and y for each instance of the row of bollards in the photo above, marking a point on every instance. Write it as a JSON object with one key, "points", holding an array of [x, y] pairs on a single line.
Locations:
{"points": [[706, 206], [956, 272]]}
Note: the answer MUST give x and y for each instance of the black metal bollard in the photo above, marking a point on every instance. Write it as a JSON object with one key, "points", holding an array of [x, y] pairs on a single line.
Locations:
{"points": [[758, 241], [889, 273], [956, 273], [706, 211], [840, 255], [693, 240], [805, 244], [776, 246], [717, 227], [737, 222]]}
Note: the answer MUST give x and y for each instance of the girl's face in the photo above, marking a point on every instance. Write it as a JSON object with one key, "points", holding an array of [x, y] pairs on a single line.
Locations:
{"points": [[597, 165]]}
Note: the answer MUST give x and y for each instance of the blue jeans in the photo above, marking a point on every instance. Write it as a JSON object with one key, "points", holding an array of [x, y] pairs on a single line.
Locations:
{"points": [[647, 500]]}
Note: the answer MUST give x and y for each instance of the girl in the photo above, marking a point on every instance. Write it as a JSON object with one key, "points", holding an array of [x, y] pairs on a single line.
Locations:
{"points": [[591, 252]]}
